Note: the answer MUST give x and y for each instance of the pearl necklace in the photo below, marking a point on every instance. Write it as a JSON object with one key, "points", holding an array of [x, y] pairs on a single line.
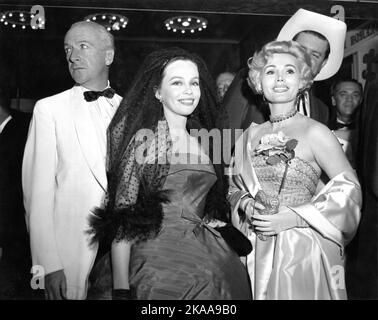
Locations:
{"points": [[283, 117]]}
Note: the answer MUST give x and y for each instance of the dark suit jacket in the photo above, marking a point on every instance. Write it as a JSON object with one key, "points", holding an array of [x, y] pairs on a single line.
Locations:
{"points": [[244, 107], [352, 151], [12, 221], [364, 248], [319, 111], [368, 166]]}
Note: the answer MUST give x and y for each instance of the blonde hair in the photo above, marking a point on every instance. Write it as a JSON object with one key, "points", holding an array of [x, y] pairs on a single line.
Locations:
{"points": [[257, 63]]}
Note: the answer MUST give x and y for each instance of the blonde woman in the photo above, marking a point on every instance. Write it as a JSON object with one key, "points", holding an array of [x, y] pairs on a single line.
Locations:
{"points": [[298, 235]]}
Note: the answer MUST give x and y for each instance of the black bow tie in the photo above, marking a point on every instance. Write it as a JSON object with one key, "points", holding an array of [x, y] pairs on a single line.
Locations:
{"points": [[350, 126], [93, 95]]}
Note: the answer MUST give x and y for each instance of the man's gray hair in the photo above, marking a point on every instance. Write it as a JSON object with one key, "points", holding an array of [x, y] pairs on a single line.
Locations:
{"points": [[105, 34]]}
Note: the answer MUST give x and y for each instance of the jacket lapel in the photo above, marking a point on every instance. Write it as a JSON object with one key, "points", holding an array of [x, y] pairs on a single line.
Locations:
{"points": [[313, 110], [316, 112], [87, 136]]}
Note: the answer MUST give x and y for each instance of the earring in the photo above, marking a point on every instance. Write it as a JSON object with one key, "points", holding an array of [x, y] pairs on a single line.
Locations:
{"points": [[160, 100]]}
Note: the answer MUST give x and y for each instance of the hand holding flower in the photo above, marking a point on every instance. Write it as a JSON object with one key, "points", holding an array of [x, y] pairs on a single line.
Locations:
{"points": [[275, 148]]}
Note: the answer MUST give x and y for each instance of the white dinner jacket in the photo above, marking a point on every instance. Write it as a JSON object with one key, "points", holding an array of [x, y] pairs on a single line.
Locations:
{"points": [[64, 179]]}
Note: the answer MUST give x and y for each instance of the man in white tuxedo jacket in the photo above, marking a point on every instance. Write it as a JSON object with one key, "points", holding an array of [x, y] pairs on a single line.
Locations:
{"points": [[63, 173]]}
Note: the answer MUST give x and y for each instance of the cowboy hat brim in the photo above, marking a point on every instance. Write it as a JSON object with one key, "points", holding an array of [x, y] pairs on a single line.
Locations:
{"points": [[334, 30]]}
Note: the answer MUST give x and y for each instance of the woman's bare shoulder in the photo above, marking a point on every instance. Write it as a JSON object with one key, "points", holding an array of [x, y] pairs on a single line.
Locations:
{"points": [[322, 139], [317, 130]]}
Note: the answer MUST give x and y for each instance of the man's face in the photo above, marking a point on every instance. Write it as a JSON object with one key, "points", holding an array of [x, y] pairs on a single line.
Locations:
{"points": [[316, 48], [347, 97], [223, 82], [87, 56]]}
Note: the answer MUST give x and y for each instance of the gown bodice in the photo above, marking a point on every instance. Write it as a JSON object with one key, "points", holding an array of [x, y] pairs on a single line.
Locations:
{"points": [[300, 182], [189, 185], [188, 259]]}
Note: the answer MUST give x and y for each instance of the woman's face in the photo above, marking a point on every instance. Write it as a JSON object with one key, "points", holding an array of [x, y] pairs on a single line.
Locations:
{"points": [[280, 78], [179, 90]]}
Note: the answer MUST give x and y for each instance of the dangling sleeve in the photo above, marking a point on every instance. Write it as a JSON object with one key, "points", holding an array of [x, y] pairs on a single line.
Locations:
{"points": [[133, 206], [335, 211]]}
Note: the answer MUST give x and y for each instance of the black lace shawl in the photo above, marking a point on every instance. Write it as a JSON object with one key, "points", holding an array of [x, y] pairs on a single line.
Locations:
{"points": [[133, 203]]}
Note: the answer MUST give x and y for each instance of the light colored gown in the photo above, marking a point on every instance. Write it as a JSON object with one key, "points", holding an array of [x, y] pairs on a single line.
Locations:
{"points": [[302, 262]]}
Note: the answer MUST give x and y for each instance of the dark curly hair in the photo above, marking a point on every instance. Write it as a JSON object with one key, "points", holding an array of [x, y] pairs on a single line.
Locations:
{"points": [[141, 110]]}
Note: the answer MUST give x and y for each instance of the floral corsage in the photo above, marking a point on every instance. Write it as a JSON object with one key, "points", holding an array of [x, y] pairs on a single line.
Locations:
{"points": [[277, 148]]}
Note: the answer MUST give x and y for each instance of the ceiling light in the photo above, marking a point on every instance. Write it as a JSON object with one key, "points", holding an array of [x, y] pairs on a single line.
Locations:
{"points": [[111, 21], [186, 24], [22, 19]]}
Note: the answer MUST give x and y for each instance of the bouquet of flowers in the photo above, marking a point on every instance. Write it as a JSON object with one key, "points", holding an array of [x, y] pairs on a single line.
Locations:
{"points": [[277, 148]]}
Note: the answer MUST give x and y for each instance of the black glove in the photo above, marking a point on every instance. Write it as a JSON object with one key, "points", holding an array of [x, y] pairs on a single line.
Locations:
{"points": [[121, 294]]}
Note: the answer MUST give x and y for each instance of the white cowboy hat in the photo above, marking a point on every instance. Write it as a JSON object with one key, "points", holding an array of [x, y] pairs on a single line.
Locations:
{"points": [[334, 30]]}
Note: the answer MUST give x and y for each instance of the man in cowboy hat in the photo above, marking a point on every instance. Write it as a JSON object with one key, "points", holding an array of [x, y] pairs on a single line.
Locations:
{"points": [[323, 38]]}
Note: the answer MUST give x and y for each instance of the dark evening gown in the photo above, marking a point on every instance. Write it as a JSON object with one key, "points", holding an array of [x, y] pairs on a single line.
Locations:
{"points": [[188, 260]]}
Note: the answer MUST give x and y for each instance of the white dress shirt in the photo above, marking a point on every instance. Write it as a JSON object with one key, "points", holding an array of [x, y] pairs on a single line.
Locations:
{"points": [[102, 111]]}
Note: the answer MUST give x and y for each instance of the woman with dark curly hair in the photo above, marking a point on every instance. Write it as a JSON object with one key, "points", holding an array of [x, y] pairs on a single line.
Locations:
{"points": [[298, 235], [166, 199]]}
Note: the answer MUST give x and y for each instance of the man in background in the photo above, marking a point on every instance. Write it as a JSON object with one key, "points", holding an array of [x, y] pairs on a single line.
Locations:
{"points": [[15, 262], [223, 81], [346, 95], [323, 38]]}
